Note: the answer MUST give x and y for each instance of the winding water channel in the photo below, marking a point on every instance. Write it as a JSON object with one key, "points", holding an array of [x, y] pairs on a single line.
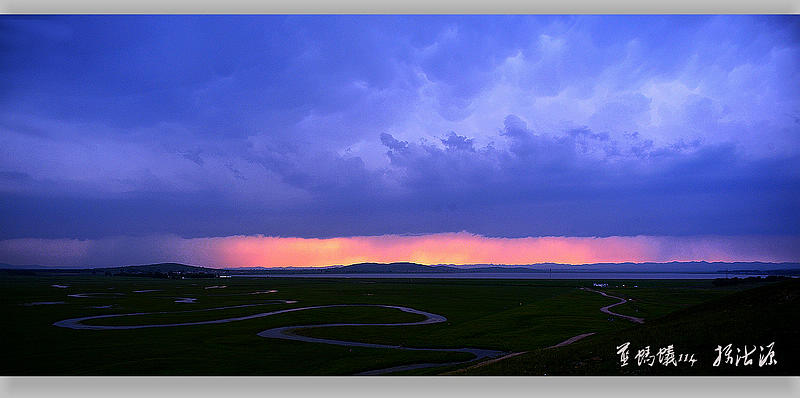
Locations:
{"points": [[607, 309], [288, 332]]}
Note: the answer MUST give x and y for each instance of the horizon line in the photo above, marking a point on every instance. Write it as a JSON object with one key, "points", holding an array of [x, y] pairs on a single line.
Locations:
{"points": [[453, 248], [58, 267]]}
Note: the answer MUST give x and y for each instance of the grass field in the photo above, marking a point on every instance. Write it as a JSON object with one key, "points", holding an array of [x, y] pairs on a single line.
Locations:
{"points": [[757, 316], [506, 315]]}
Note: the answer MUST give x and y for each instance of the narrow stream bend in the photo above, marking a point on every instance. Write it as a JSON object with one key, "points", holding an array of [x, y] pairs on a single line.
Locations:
{"points": [[286, 332]]}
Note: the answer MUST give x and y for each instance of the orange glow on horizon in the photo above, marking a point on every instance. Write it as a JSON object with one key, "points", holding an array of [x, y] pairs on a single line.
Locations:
{"points": [[461, 248], [442, 248]]}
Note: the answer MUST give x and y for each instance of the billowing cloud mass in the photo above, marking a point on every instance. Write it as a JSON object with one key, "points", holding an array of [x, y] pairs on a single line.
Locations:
{"points": [[354, 126], [445, 248]]}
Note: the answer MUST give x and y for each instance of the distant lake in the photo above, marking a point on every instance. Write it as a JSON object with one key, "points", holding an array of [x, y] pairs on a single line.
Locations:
{"points": [[515, 275]]}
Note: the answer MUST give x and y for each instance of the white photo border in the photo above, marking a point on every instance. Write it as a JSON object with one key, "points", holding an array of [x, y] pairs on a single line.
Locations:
{"points": [[405, 387]]}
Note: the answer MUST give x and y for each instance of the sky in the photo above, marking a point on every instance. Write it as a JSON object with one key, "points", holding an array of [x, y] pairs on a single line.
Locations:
{"points": [[318, 140]]}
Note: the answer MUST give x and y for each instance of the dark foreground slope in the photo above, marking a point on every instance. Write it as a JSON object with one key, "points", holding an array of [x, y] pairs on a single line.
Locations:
{"points": [[747, 320]]}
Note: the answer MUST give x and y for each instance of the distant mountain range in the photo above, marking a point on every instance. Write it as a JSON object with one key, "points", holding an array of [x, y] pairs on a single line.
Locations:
{"points": [[412, 268], [377, 268]]}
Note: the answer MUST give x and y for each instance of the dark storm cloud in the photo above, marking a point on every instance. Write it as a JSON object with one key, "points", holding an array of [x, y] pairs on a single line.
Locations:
{"points": [[580, 183], [583, 182], [326, 126], [455, 142]]}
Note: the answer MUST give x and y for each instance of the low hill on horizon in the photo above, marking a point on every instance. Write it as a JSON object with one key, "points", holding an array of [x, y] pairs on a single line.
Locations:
{"points": [[129, 269], [160, 267]]}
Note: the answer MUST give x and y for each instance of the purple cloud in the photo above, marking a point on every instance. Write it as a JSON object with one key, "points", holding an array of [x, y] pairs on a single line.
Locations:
{"points": [[370, 125]]}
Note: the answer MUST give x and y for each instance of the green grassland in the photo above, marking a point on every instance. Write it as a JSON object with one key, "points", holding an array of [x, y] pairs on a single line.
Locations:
{"points": [[757, 316], [507, 315]]}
